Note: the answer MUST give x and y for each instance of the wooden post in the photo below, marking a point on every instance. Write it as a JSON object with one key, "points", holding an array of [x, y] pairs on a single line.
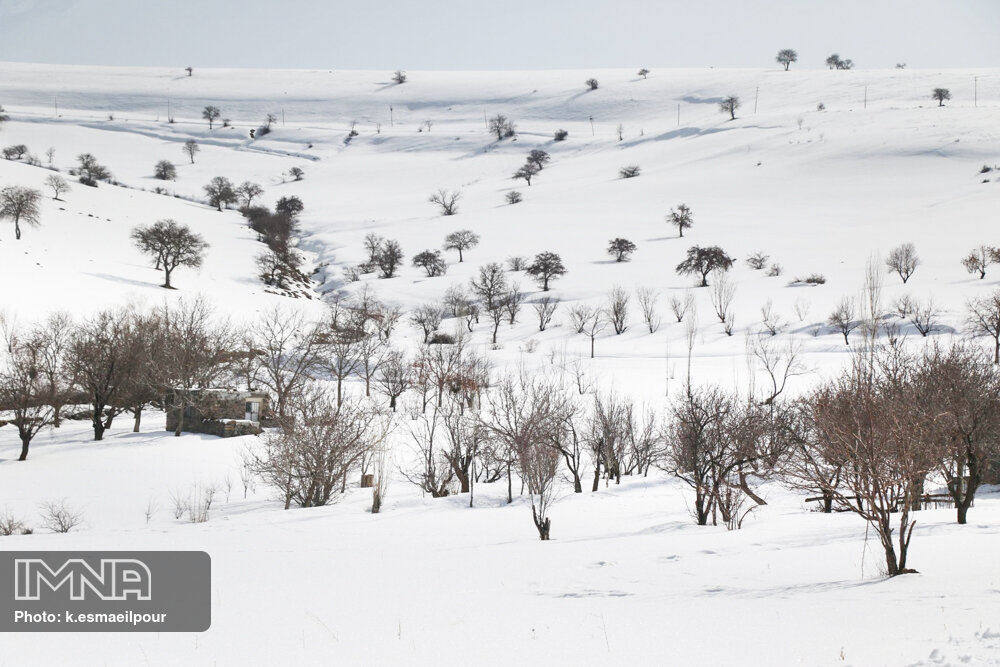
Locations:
{"points": [[755, 96]]}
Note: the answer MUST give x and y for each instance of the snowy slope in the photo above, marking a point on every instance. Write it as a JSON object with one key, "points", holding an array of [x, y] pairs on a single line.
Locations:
{"points": [[627, 579]]}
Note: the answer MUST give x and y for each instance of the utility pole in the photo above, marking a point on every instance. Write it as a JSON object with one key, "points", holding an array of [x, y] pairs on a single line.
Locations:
{"points": [[55, 101], [678, 114], [866, 97], [755, 96], [168, 111], [975, 91], [592, 126], [282, 116], [486, 123], [391, 124]]}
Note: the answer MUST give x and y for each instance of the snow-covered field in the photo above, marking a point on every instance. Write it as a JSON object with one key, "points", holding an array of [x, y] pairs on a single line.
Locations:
{"points": [[627, 578]]}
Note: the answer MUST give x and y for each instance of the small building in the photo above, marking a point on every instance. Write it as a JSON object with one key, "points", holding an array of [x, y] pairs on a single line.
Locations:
{"points": [[221, 412]]}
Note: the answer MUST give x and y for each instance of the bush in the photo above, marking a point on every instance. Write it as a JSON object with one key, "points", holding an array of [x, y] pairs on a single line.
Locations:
{"points": [[591, 83], [560, 135], [60, 518], [811, 279], [15, 152], [775, 270], [630, 171], [517, 263], [513, 197], [820, 107], [757, 261], [399, 76], [441, 338]]}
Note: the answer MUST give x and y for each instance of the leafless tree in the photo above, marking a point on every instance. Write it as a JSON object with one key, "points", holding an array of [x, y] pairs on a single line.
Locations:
{"points": [[197, 354], [903, 260], [171, 244], [289, 351], [427, 318], [316, 446], [980, 259], [723, 293], [247, 192], [843, 318], [545, 308], [23, 391], [57, 184], [647, 298], [527, 171], [446, 200], [394, 377], [433, 475], [983, 319], [681, 218], [924, 317], [20, 205], [617, 309], [512, 302], [191, 148], [802, 308], [102, 358], [680, 307], [729, 105], [780, 364], [579, 315], [399, 76], [770, 319], [211, 114], [594, 325], [461, 240], [501, 126], [962, 389]]}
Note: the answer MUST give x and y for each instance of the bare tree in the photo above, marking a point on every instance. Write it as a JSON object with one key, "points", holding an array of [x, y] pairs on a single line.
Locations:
{"points": [[171, 244], [643, 72], [545, 308], [546, 267], [211, 114], [315, 448], [594, 325], [980, 258], [446, 200], [729, 105], [539, 158], [288, 349], [620, 249], [20, 204], [984, 320], [431, 262], [461, 240], [962, 388], [786, 57], [220, 192], [591, 83], [57, 184], [579, 315], [501, 126], [647, 298], [780, 364], [770, 319], [924, 317], [527, 171], [191, 148], [680, 307], [617, 309], [843, 318], [434, 475], [512, 302], [903, 260], [427, 318], [389, 258], [681, 218], [394, 377], [247, 192], [24, 392], [941, 95], [722, 294]]}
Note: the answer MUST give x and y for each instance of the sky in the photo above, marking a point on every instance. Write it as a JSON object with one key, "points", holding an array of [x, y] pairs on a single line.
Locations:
{"points": [[500, 34]]}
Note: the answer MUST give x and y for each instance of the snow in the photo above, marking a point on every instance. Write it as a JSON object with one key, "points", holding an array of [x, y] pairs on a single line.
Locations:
{"points": [[628, 578]]}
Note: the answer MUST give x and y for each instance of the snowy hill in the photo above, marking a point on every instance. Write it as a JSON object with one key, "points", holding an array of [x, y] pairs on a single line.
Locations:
{"points": [[628, 579]]}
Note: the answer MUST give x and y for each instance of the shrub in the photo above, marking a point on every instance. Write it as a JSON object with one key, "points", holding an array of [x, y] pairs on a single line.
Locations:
{"points": [[431, 262], [591, 83], [15, 152], [560, 135], [441, 338], [513, 197], [399, 76], [757, 261], [774, 270], [630, 171], [811, 279], [517, 263]]}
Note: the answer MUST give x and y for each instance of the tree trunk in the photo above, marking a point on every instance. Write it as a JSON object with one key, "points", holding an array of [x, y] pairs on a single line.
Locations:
{"points": [[166, 278], [25, 442], [510, 489], [95, 420], [746, 489], [543, 526], [180, 422], [597, 477], [137, 411]]}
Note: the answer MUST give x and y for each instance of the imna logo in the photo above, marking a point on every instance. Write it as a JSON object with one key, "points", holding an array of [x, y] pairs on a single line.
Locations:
{"points": [[115, 579]]}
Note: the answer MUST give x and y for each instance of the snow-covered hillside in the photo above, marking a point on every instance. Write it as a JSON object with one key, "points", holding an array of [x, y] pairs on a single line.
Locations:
{"points": [[626, 579]]}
